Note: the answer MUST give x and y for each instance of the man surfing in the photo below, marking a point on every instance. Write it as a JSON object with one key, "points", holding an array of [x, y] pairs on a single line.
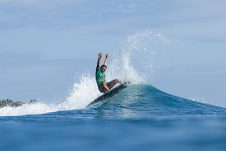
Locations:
{"points": [[102, 84]]}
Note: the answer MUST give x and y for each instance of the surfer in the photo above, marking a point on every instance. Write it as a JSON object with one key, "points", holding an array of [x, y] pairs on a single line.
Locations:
{"points": [[102, 84]]}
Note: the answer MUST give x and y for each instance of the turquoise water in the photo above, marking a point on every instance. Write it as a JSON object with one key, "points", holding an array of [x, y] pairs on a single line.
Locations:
{"points": [[139, 117]]}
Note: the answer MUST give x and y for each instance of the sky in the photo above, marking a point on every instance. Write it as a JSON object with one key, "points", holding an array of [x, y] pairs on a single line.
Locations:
{"points": [[47, 44]]}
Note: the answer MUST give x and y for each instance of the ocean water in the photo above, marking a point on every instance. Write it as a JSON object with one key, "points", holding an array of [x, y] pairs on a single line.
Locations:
{"points": [[139, 117]]}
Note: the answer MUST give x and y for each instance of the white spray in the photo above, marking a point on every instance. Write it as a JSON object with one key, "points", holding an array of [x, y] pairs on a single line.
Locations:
{"points": [[85, 91]]}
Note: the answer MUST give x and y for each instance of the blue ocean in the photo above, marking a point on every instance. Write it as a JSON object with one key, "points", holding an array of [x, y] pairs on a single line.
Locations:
{"points": [[139, 117]]}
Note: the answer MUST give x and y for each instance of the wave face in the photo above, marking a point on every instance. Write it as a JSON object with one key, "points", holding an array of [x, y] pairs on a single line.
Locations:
{"points": [[146, 101]]}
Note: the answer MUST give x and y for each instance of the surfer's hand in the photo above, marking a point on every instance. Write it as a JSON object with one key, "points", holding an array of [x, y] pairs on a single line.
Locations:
{"points": [[99, 55], [107, 55]]}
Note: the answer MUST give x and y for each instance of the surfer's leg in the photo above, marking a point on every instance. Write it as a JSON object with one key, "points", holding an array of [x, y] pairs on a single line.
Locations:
{"points": [[101, 89], [113, 83]]}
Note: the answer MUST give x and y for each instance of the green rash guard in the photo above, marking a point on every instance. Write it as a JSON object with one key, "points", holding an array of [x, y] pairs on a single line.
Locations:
{"points": [[100, 77]]}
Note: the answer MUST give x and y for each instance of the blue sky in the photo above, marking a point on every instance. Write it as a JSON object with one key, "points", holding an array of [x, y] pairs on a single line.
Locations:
{"points": [[46, 44]]}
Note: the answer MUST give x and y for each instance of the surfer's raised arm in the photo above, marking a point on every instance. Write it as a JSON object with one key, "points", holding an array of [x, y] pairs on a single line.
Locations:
{"points": [[102, 84], [98, 61], [106, 59]]}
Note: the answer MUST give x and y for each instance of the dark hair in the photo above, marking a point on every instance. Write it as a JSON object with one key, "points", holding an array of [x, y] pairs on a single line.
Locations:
{"points": [[103, 66]]}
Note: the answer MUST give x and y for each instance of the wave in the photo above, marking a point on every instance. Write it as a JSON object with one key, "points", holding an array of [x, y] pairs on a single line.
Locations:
{"points": [[144, 101], [127, 66], [135, 101]]}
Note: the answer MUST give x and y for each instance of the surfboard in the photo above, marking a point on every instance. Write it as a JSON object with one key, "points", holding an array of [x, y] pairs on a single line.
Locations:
{"points": [[109, 94]]}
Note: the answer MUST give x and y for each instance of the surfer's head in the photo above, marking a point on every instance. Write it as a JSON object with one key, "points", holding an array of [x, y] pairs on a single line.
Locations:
{"points": [[103, 68]]}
